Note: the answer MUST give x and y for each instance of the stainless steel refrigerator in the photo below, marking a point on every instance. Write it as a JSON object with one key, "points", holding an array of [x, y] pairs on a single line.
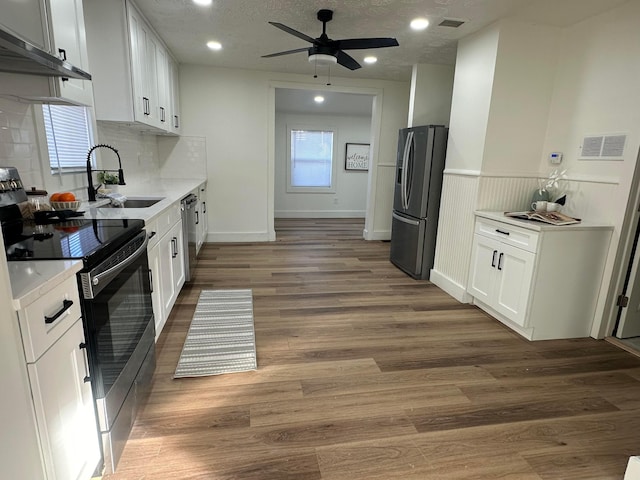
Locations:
{"points": [[416, 201]]}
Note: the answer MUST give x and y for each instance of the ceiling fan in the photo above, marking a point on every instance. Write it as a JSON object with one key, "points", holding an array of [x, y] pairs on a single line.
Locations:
{"points": [[325, 51]]}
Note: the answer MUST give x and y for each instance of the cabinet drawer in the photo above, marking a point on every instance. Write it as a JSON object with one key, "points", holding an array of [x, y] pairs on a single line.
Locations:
{"points": [[152, 232], [509, 234], [48, 318]]}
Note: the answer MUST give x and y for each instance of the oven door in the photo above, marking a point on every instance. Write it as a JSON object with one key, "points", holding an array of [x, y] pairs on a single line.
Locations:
{"points": [[119, 324]]}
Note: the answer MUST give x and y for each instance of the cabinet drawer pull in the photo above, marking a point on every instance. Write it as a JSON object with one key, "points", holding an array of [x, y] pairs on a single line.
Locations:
{"points": [[162, 119], [500, 261], [502, 231], [176, 123], [151, 235], [493, 260], [66, 305]]}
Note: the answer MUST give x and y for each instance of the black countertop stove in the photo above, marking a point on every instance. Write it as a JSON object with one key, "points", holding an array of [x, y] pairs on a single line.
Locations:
{"points": [[79, 238]]}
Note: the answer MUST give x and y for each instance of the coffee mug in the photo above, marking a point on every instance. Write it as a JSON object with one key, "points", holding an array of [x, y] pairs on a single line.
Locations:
{"points": [[539, 206], [553, 207]]}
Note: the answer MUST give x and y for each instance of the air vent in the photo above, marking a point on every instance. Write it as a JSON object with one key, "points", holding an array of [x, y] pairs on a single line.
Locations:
{"points": [[603, 147], [450, 22]]}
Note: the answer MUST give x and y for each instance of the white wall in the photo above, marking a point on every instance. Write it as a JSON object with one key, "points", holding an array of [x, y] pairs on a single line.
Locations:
{"points": [[596, 91], [234, 111], [350, 197], [520, 97], [595, 76], [431, 90], [471, 100]]}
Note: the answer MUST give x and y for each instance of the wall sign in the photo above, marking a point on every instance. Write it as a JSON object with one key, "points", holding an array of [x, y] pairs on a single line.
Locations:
{"points": [[357, 157]]}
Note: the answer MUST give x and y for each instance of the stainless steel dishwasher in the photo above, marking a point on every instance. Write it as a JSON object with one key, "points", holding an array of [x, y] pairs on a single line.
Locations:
{"points": [[189, 222]]}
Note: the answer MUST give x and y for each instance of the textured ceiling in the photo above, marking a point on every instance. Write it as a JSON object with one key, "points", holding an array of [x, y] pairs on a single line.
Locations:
{"points": [[241, 27]]}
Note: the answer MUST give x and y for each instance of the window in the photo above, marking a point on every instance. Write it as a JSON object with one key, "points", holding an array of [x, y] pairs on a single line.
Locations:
{"points": [[69, 137], [311, 166]]}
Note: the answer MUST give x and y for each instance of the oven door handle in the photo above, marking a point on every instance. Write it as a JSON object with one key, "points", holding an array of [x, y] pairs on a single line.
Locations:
{"points": [[95, 280]]}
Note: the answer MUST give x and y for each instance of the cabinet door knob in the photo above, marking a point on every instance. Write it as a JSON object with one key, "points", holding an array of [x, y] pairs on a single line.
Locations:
{"points": [[500, 261], [493, 260]]}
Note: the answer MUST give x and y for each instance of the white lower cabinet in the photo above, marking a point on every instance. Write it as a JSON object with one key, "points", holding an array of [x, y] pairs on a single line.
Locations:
{"points": [[540, 280], [501, 277], [54, 349], [166, 262], [64, 408]]}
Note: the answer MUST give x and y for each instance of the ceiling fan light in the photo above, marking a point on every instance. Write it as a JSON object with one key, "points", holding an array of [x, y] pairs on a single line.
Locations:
{"points": [[370, 60], [322, 59]]}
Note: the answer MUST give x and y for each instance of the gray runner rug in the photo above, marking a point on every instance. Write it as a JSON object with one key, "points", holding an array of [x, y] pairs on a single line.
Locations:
{"points": [[221, 338]]}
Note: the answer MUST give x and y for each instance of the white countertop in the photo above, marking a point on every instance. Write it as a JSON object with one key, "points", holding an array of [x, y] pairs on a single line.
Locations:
{"points": [[169, 190], [30, 279], [539, 226]]}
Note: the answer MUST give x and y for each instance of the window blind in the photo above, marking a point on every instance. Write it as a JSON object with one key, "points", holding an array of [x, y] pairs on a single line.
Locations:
{"points": [[68, 137]]}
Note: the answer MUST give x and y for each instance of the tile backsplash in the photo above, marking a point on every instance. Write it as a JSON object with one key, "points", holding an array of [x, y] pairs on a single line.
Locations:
{"points": [[19, 141], [23, 145]]}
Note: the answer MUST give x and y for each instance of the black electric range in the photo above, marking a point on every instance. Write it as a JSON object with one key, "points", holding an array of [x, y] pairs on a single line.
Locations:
{"points": [[56, 235], [84, 239]]}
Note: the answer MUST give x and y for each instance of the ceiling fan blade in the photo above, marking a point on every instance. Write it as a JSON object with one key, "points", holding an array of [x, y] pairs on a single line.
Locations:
{"points": [[363, 43], [293, 32], [347, 61], [303, 49]]}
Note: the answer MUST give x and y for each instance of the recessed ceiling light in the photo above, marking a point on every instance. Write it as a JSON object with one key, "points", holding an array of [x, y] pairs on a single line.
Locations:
{"points": [[214, 45], [370, 60], [318, 99], [204, 3], [419, 23]]}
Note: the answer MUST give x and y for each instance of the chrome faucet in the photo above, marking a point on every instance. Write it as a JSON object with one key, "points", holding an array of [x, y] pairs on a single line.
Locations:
{"points": [[90, 188]]}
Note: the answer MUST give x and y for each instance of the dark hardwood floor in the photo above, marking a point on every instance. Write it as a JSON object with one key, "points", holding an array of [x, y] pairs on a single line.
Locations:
{"points": [[366, 374]]}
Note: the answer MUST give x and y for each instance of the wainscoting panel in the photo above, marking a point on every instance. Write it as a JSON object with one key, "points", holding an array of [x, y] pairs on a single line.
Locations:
{"points": [[505, 193], [455, 233]]}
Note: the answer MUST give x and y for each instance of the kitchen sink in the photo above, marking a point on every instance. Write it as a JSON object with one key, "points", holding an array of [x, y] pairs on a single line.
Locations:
{"points": [[137, 202]]}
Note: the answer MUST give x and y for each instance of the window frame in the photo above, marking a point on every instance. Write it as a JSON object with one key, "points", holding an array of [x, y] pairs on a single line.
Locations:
{"points": [[334, 156]]}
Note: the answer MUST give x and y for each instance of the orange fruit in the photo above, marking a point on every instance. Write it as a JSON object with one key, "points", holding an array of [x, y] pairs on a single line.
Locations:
{"points": [[55, 197], [67, 197]]}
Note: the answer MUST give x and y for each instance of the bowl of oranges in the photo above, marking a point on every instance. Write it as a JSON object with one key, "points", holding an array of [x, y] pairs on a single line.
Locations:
{"points": [[64, 201]]}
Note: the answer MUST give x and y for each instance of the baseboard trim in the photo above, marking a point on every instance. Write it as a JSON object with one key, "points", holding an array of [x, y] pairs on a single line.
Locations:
{"points": [[240, 237], [380, 235], [320, 214], [453, 288]]}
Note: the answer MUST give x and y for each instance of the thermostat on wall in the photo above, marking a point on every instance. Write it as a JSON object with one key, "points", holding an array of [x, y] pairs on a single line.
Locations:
{"points": [[555, 157]]}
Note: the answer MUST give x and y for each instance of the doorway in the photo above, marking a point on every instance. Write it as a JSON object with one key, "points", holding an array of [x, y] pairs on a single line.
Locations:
{"points": [[372, 98], [313, 131], [625, 313]]}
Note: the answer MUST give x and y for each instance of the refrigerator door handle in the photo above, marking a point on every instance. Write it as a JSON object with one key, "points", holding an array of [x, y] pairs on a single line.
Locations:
{"points": [[405, 163], [415, 223]]}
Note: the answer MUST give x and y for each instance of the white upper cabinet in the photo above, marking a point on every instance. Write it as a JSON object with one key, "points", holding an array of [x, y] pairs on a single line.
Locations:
{"points": [[56, 26], [130, 67], [27, 20], [174, 86], [69, 42]]}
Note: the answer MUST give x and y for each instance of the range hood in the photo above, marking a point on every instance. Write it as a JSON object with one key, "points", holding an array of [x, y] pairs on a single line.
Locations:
{"points": [[19, 56]]}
